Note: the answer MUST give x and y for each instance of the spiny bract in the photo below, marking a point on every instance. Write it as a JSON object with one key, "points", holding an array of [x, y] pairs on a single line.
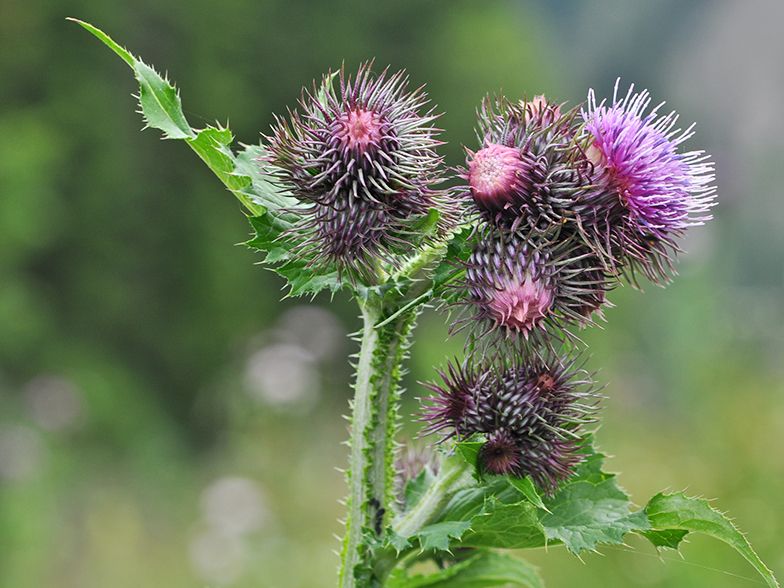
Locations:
{"points": [[362, 162]]}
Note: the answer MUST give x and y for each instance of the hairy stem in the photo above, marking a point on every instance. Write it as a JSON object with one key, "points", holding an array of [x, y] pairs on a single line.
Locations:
{"points": [[454, 475], [374, 421]]}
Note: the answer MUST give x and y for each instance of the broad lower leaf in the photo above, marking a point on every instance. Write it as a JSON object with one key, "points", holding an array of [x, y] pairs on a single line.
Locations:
{"points": [[486, 569], [674, 514], [591, 509], [588, 509], [505, 526]]}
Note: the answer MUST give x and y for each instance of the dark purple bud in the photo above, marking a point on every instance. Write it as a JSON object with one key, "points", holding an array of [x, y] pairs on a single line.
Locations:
{"points": [[531, 411]]}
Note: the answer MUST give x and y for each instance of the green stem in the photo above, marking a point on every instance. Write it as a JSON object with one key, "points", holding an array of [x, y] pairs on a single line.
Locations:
{"points": [[387, 325], [374, 421], [454, 475]]}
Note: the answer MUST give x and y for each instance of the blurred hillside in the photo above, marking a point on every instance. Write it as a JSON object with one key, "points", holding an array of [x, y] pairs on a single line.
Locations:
{"points": [[167, 420]]}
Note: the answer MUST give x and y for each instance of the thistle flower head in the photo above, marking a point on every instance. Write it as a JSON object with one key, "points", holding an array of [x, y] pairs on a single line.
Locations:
{"points": [[530, 409], [530, 289], [497, 175], [361, 160], [650, 192], [530, 170], [510, 282]]}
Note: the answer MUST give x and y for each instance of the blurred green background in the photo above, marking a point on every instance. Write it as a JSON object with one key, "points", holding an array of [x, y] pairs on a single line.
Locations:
{"points": [[166, 420]]}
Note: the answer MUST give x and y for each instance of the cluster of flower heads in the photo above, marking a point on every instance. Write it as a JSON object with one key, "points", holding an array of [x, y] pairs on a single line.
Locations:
{"points": [[565, 205], [569, 202], [361, 161]]}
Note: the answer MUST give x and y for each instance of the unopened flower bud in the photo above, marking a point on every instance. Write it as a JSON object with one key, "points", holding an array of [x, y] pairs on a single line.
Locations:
{"points": [[496, 176]]}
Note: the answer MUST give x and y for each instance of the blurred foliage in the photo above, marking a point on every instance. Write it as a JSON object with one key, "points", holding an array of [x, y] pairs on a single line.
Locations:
{"points": [[129, 320]]}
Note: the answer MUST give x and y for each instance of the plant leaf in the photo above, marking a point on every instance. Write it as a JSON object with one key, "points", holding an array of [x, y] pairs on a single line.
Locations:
{"points": [[526, 486], [671, 514], [505, 526], [159, 100], [271, 210], [438, 536], [486, 569], [591, 509]]}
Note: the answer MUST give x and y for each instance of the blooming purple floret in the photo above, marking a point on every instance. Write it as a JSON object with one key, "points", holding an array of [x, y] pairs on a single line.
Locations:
{"points": [[362, 162], [653, 192], [530, 411]]}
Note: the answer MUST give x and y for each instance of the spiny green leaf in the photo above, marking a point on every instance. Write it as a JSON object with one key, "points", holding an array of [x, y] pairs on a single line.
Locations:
{"points": [[397, 541], [588, 509], [470, 450], [416, 487], [127, 57], [591, 509], [526, 486], [669, 538], [676, 512], [302, 280], [505, 526], [438, 536], [486, 569], [159, 100], [161, 103]]}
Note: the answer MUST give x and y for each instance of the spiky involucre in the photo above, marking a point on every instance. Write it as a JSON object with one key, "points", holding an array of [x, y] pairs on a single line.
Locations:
{"points": [[362, 161], [527, 289], [550, 172], [530, 409], [648, 192]]}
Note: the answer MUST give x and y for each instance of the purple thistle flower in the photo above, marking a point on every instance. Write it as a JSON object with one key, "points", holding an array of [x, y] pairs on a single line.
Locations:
{"points": [[530, 171], [649, 193], [362, 162], [496, 176], [531, 411], [529, 289]]}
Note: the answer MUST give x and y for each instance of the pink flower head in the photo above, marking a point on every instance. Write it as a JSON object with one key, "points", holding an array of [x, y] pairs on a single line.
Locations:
{"points": [[637, 157], [495, 174], [518, 305]]}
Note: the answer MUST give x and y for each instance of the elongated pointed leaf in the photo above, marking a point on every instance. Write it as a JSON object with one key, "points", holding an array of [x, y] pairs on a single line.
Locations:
{"points": [[672, 514], [270, 209], [159, 100]]}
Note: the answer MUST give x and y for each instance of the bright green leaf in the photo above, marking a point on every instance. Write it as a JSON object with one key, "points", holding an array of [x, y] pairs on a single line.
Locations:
{"points": [[677, 512], [161, 103], [159, 100], [591, 509], [505, 526], [526, 486], [438, 536], [470, 450], [416, 487], [669, 538], [486, 569]]}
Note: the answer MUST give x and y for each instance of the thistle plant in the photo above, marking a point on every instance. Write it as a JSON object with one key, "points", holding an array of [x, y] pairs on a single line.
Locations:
{"points": [[553, 210]]}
